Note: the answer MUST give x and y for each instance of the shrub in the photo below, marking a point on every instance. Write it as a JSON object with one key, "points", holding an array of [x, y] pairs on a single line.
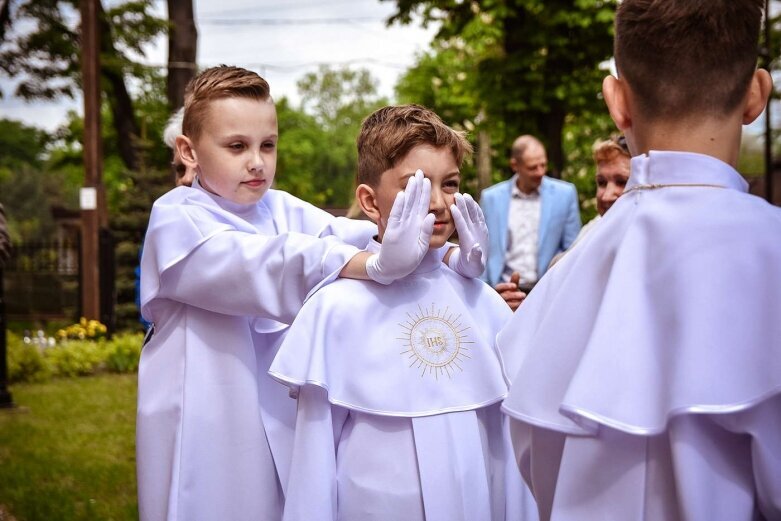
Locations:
{"points": [[25, 362], [29, 362], [123, 352], [76, 357]]}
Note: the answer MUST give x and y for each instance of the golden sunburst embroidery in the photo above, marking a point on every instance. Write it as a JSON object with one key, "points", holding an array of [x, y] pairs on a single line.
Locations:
{"points": [[435, 340]]}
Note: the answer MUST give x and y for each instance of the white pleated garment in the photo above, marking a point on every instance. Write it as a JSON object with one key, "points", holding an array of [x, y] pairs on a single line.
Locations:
{"points": [[220, 282], [647, 362], [398, 413]]}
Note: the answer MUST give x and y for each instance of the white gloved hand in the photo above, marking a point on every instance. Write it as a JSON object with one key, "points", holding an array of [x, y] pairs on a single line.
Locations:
{"points": [[468, 260], [407, 233]]}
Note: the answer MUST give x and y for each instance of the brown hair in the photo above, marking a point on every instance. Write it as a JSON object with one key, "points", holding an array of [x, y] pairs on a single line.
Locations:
{"points": [[216, 83], [687, 57], [610, 149], [389, 133]]}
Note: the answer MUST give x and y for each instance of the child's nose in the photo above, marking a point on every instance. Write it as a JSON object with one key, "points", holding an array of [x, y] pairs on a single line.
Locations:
{"points": [[256, 161], [437, 203]]}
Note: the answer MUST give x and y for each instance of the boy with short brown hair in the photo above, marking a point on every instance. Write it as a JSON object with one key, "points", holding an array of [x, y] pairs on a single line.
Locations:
{"points": [[647, 364], [226, 265], [398, 386]]}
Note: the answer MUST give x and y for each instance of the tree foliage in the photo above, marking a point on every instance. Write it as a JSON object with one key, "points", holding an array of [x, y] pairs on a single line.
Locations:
{"points": [[42, 49], [317, 153], [532, 62]]}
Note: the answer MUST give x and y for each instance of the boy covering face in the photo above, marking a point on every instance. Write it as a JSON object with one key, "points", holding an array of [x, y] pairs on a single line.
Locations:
{"points": [[647, 363], [398, 386], [226, 265]]}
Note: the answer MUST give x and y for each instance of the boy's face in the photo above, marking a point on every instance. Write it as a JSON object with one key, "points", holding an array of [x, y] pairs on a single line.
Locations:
{"points": [[439, 166], [236, 153]]}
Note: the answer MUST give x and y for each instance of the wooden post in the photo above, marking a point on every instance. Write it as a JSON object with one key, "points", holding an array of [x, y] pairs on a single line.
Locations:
{"points": [[93, 205]]}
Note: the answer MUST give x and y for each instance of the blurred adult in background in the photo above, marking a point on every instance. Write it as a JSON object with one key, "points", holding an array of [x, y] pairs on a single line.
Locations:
{"points": [[183, 175], [612, 158], [530, 218]]}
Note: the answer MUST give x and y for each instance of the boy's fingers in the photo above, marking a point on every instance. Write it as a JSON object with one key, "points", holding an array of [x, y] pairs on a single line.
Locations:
{"points": [[427, 229], [475, 212], [396, 210], [458, 218], [410, 197], [425, 195]]}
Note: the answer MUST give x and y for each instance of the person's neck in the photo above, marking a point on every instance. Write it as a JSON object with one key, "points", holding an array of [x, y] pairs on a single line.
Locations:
{"points": [[715, 137], [525, 188]]}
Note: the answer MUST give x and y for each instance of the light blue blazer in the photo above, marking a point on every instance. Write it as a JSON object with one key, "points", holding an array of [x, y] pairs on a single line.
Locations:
{"points": [[559, 223]]}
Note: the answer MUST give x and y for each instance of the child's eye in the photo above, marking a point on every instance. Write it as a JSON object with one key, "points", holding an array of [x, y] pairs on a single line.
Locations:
{"points": [[269, 145], [452, 185], [236, 146]]}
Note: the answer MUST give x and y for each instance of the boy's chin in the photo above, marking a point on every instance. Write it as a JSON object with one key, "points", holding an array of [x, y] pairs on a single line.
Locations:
{"points": [[437, 242]]}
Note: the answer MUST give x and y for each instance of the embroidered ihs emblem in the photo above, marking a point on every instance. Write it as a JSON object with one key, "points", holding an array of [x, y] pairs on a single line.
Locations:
{"points": [[435, 341]]}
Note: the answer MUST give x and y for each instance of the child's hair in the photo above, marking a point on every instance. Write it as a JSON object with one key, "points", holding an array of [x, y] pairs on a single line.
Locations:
{"points": [[389, 133], [610, 149], [687, 57], [216, 83]]}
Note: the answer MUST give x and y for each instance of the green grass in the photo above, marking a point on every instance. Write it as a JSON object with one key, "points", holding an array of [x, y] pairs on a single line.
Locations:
{"points": [[68, 451]]}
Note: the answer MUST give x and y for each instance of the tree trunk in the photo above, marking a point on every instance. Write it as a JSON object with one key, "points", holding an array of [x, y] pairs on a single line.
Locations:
{"points": [[182, 47], [483, 160], [119, 99], [552, 126]]}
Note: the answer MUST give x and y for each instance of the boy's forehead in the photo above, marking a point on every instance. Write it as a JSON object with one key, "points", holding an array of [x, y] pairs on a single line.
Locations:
{"points": [[237, 113]]}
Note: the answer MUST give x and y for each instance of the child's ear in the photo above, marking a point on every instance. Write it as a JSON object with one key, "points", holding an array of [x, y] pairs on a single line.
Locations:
{"points": [[367, 200], [615, 92], [756, 98], [186, 151]]}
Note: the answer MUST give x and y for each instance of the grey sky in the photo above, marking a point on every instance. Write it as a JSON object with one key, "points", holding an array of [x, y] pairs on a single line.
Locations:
{"points": [[281, 40]]}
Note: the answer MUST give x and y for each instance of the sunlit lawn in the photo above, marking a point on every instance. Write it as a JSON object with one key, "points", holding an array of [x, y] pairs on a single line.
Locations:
{"points": [[68, 451]]}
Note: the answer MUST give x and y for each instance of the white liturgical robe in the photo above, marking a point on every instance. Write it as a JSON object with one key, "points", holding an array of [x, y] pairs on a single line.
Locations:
{"points": [[647, 362], [220, 281], [398, 391]]}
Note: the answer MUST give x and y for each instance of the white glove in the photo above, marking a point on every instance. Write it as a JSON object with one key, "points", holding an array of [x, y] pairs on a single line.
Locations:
{"points": [[407, 233], [468, 260]]}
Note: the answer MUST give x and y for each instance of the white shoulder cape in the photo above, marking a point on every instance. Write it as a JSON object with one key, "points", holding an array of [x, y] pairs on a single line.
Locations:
{"points": [[423, 345], [671, 306]]}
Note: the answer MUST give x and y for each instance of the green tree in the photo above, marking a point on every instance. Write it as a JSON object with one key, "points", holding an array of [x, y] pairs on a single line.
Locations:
{"points": [[317, 153], [22, 181], [535, 61], [45, 58]]}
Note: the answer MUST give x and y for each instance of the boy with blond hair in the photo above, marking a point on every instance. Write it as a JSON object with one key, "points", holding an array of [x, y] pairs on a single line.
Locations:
{"points": [[647, 363], [398, 386], [227, 264]]}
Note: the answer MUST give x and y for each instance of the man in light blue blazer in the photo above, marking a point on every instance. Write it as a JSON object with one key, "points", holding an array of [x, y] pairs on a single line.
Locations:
{"points": [[530, 218]]}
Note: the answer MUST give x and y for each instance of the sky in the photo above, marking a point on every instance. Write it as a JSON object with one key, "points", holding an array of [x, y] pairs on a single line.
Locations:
{"points": [[281, 40]]}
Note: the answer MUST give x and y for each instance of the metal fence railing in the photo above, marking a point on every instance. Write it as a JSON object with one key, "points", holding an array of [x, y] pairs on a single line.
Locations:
{"points": [[42, 280]]}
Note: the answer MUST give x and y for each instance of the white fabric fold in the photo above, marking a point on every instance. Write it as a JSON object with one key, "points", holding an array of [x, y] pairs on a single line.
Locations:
{"points": [[434, 353], [220, 281], [637, 324]]}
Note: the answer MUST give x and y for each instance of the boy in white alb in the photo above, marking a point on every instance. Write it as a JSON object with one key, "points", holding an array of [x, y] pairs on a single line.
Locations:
{"points": [[226, 266], [398, 386], [647, 362]]}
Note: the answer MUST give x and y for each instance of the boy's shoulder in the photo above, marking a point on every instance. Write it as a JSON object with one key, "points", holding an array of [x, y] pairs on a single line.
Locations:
{"points": [[443, 287], [420, 346]]}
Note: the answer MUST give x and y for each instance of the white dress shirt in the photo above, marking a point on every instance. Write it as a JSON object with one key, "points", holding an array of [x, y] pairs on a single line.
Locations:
{"points": [[522, 235]]}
